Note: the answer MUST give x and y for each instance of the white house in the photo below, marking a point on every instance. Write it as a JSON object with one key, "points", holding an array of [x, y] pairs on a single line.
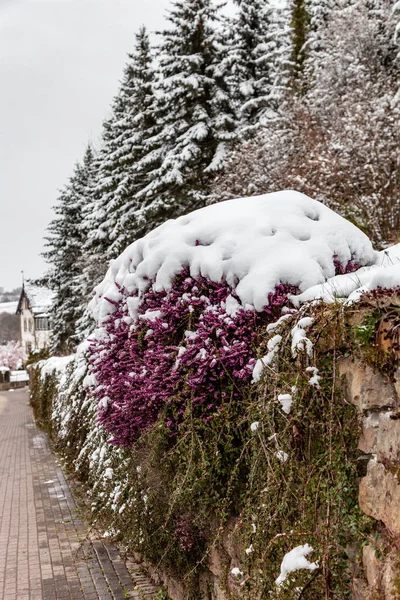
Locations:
{"points": [[34, 310]]}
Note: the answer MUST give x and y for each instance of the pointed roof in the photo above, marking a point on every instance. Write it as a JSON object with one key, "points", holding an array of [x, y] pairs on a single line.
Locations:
{"points": [[40, 299]]}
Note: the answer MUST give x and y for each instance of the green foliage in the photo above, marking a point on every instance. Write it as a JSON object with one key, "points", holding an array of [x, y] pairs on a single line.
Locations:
{"points": [[174, 500], [300, 24], [42, 354], [365, 332], [368, 336], [161, 595], [42, 393], [182, 495]]}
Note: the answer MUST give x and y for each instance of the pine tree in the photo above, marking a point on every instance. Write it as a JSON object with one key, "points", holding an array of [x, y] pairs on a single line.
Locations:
{"points": [[194, 115], [118, 178], [64, 245], [257, 63]]}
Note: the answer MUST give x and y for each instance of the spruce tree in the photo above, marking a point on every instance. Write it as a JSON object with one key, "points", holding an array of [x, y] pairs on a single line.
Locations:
{"points": [[194, 115], [118, 178], [257, 60], [63, 253]]}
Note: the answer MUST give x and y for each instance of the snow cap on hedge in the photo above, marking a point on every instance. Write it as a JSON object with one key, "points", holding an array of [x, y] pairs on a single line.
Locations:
{"points": [[251, 243]]}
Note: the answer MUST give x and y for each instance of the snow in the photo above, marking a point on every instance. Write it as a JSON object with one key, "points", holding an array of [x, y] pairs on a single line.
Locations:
{"points": [[272, 326], [252, 243], [54, 365], [40, 299], [232, 306], [8, 307], [258, 369], [236, 572], [273, 347], [385, 273], [286, 401], [300, 341], [282, 456], [18, 376], [254, 426], [296, 560], [315, 378], [103, 403], [151, 315], [389, 256]]}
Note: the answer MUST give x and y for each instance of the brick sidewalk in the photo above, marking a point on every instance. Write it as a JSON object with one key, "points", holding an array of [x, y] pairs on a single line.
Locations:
{"points": [[44, 551]]}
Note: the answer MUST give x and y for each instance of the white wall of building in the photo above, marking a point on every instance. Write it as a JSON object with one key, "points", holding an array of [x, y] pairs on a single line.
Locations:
{"points": [[31, 338]]}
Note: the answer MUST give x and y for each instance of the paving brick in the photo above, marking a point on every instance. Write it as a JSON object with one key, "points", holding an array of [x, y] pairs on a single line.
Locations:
{"points": [[42, 555]]}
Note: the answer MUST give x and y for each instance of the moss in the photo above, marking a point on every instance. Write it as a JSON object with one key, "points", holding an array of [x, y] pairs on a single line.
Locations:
{"points": [[365, 332]]}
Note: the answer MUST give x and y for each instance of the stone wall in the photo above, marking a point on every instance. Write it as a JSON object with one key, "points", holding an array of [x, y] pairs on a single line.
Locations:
{"points": [[374, 568], [14, 385], [377, 399], [377, 571]]}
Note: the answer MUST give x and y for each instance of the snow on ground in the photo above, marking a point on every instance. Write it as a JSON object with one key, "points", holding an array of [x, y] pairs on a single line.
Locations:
{"points": [[252, 243], [8, 307]]}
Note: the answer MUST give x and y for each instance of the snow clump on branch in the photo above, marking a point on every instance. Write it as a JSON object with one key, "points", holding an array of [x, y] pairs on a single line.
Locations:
{"points": [[296, 560]]}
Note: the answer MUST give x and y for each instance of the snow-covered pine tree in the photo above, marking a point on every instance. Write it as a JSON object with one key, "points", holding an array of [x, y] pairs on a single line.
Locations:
{"points": [[395, 21], [63, 253], [92, 264], [194, 114], [258, 58], [123, 146], [319, 12]]}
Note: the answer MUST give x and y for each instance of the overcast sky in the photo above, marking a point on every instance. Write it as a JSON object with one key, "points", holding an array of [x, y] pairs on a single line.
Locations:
{"points": [[60, 63]]}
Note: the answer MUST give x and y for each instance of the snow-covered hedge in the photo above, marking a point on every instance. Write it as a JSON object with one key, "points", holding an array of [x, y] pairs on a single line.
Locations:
{"points": [[252, 244], [178, 311], [267, 466], [205, 396]]}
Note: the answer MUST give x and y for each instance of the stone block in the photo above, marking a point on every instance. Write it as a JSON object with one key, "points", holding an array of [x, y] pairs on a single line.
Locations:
{"points": [[372, 568], [379, 496], [360, 590], [369, 434], [175, 589], [397, 382], [216, 562], [228, 540], [367, 389], [390, 576], [388, 438]]}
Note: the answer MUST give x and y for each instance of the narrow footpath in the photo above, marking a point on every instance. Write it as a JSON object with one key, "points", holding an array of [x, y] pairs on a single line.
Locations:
{"points": [[45, 553]]}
